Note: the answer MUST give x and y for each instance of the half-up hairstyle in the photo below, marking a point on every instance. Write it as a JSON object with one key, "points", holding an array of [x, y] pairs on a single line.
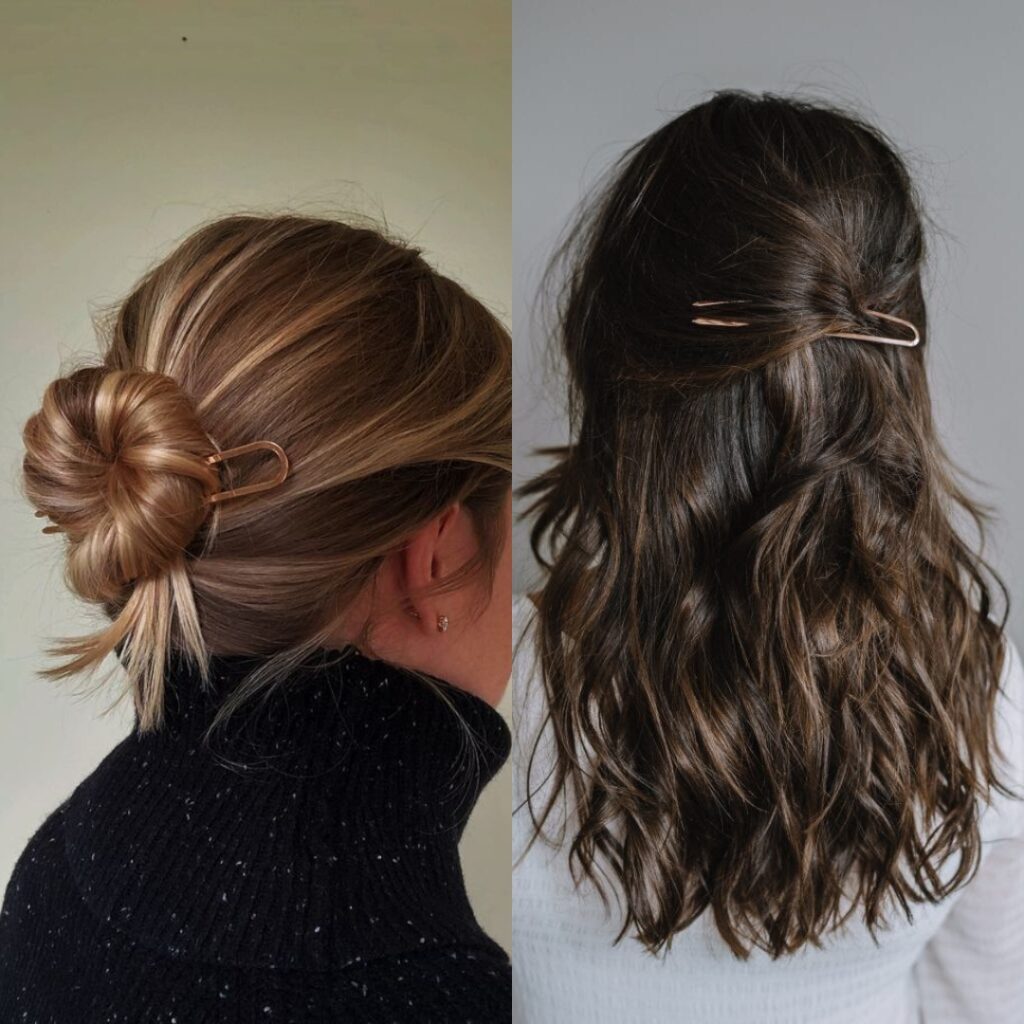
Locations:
{"points": [[385, 383], [770, 659]]}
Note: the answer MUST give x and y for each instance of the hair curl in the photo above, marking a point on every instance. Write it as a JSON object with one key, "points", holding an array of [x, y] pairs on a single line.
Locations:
{"points": [[770, 659]]}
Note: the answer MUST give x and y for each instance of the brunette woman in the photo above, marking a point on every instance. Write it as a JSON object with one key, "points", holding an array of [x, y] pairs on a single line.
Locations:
{"points": [[766, 706]]}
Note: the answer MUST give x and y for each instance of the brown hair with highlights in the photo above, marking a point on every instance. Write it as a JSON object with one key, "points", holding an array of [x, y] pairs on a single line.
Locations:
{"points": [[770, 657], [387, 385]]}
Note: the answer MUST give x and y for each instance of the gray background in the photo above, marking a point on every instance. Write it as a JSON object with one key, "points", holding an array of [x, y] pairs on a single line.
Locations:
{"points": [[944, 79]]}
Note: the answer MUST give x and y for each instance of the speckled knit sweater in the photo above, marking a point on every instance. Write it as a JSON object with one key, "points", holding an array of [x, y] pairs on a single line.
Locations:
{"points": [[304, 868]]}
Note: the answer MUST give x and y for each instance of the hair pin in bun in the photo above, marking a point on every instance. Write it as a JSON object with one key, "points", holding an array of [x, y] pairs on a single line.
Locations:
{"points": [[263, 485], [40, 514]]}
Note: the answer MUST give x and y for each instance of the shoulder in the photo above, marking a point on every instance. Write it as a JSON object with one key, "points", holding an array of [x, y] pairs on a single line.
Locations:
{"points": [[523, 613], [528, 697], [1010, 712], [34, 890], [1005, 814], [523, 645], [525, 682]]}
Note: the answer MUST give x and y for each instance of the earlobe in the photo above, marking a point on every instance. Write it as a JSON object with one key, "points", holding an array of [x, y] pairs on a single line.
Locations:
{"points": [[441, 620]]}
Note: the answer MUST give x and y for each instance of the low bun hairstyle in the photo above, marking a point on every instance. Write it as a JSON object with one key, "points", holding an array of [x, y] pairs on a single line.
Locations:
{"points": [[770, 659], [385, 383], [116, 457]]}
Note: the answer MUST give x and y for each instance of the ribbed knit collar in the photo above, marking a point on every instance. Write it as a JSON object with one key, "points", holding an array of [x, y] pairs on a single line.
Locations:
{"points": [[318, 830]]}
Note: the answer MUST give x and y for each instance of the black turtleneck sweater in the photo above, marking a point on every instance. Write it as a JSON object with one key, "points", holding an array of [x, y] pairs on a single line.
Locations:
{"points": [[302, 867]]}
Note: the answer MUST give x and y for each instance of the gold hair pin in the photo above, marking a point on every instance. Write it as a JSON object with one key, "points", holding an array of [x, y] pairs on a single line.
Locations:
{"points": [[878, 338], [263, 485], [40, 514]]}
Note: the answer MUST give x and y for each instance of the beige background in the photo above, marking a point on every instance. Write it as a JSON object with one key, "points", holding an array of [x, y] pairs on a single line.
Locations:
{"points": [[119, 137]]}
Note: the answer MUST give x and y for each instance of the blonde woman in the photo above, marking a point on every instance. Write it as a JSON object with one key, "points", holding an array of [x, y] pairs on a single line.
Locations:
{"points": [[286, 483]]}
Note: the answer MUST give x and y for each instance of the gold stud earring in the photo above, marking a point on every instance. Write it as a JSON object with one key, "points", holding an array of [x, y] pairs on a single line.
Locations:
{"points": [[442, 623]]}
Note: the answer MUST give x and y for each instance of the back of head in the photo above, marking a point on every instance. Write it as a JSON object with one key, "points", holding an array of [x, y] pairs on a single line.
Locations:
{"points": [[385, 384], [779, 682]]}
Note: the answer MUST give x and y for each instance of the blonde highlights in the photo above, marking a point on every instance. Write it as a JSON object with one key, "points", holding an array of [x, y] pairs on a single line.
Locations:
{"points": [[386, 383]]}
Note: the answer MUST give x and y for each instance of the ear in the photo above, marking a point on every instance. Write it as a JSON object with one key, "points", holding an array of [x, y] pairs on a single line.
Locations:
{"points": [[426, 558]]}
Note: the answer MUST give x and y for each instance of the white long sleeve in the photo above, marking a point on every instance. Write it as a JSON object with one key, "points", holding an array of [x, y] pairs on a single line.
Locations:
{"points": [[958, 962], [972, 970]]}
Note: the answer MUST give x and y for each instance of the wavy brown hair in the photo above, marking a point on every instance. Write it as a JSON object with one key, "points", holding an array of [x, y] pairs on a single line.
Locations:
{"points": [[387, 385], [770, 658]]}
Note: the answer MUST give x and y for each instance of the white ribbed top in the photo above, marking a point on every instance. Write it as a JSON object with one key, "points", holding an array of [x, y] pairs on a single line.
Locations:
{"points": [[961, 962]]}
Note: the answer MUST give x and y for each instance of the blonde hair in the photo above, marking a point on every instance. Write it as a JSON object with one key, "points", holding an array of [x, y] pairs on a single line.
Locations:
{"points": [[387, 385]]}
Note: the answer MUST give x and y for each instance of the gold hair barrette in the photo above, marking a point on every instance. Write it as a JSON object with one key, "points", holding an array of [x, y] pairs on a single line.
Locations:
{"points": [[878, 338]]}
